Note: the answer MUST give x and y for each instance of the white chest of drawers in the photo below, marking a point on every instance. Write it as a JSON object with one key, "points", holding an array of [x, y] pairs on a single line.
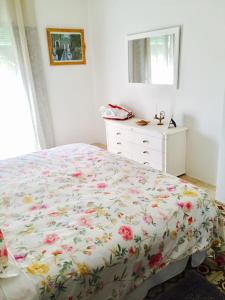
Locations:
{"points": [[157, 146]]}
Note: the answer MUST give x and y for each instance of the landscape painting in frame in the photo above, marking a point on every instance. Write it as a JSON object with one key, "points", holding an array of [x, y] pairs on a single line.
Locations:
{"points": [[66, 46]]}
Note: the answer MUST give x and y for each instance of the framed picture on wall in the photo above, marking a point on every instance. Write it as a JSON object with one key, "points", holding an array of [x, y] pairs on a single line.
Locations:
{"points": [[66, 46]]}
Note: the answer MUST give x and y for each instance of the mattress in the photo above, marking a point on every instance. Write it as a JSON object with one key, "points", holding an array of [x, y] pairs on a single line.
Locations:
{"points": [[81, 223]]}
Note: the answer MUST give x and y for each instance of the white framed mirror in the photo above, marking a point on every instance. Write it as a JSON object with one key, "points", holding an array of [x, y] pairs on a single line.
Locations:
{"points": [[153, 57]]}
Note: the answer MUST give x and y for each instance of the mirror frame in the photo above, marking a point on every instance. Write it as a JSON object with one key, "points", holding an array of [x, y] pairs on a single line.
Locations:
{"points": [[166, 31]]}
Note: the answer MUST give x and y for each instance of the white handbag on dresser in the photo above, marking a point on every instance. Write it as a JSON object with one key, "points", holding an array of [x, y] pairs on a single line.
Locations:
{"points": [[115, 112]]}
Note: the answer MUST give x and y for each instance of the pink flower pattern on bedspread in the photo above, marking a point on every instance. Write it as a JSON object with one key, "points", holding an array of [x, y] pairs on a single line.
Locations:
{"points": [[86, 224], [3, 253]]}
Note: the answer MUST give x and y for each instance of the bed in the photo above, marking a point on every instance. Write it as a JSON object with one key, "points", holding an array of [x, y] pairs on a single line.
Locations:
{"points": [[81, 223]]}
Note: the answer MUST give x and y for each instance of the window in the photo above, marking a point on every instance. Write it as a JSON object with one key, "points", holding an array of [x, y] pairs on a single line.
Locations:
{"points": [[17, 134]]}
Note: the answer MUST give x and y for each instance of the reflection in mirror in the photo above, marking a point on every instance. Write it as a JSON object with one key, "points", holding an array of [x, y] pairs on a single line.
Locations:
{"points": [[153, 57]]}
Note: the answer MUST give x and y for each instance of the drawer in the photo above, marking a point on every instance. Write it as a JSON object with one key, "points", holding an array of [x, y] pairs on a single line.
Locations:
{"points": [[119, 143], [115, 132], [146, 152], [151, 157], [140, 151], [148, 141], [125, 134], [121, 152], [158, 165]]}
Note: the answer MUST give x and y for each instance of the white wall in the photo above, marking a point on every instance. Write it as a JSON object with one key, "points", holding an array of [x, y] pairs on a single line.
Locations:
{"points": [[76, 92], [69, 87], [202, 68], [220, 188]]}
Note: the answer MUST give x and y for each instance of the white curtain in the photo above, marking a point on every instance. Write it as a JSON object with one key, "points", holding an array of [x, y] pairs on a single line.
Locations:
{"points": [[23, 128]]}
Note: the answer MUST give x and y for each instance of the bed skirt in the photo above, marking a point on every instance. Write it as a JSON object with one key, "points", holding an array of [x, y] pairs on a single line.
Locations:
{"points": [[169, 272], [7, 286]]}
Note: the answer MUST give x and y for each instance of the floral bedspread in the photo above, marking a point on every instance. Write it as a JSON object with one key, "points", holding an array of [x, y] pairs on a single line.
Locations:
{"points": [[85, 224]]}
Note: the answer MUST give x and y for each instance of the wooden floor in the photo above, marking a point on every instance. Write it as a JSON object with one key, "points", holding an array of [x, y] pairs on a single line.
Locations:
{"points": [[100, 145], [210, 188]]}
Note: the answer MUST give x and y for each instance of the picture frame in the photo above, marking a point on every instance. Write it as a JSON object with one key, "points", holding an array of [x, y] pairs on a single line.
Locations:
{"points": [[66, 46]]}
